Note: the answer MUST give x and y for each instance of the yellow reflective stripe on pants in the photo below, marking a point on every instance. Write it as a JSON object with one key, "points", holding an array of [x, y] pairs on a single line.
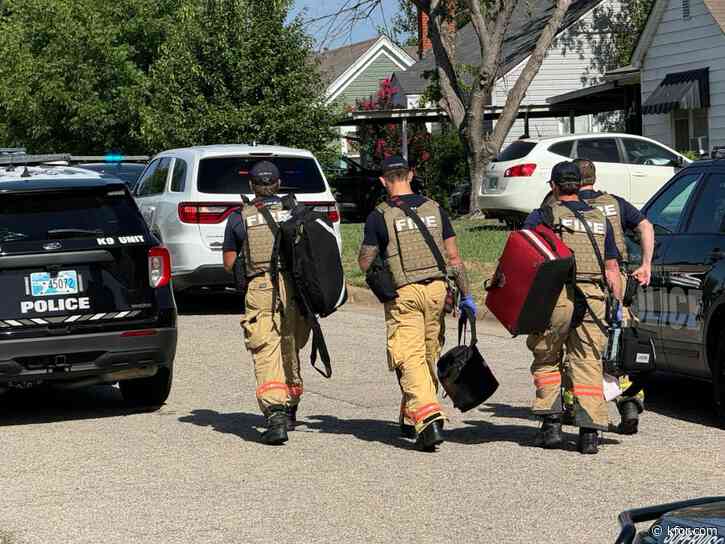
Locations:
{"points": [[415, 331], [274, 340]]}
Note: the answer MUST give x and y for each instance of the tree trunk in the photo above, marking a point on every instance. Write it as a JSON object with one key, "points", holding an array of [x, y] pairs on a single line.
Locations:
{"points": [[478, 165], [477, 168]]}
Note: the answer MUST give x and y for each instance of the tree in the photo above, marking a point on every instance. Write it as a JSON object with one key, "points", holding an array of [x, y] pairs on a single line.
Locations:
{"points": [[70, 70], [404, 29], [465, 98], [253, 79]]}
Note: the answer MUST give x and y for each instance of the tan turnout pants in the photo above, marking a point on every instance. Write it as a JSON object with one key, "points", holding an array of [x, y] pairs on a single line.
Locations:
{"points": [[416, 330], [582, 367], [274, 339]]}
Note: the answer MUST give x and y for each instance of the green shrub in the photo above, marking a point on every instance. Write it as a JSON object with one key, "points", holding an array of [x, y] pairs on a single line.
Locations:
{"points": [[444, 167]]}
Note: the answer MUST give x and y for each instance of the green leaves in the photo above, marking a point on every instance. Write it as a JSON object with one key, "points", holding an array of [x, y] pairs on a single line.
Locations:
{"points": [[143, 75]]}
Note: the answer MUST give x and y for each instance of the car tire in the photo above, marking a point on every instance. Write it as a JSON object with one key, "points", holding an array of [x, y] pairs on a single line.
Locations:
{"points": [[149, 392], [717, 367]]}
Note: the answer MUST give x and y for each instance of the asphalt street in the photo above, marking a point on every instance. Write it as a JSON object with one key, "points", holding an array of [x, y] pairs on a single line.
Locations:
{"points": [[79, 468]]}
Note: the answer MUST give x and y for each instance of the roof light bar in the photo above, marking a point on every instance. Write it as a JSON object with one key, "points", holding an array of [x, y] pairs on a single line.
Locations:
{"points": [[22, 159]]}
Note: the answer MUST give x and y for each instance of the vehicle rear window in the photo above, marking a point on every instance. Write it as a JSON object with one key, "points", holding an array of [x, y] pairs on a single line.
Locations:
{"points": [[75, 214], [562, 148], [516, 150], [230, 175]]}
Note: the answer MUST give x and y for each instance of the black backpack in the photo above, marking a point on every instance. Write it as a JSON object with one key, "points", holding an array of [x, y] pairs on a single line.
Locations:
{"points": [[307, 248]]}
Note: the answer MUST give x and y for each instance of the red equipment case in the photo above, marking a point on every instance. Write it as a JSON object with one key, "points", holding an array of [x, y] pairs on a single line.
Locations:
{"points": [[531, 273]]}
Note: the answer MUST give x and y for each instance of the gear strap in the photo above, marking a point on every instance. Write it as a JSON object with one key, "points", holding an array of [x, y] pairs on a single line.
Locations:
{"points": [[440, 261], [600, 260]]}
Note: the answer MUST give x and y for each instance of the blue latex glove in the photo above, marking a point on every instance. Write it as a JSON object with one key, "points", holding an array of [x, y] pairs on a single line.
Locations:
{"points": [[467, 302], [620, 313]]}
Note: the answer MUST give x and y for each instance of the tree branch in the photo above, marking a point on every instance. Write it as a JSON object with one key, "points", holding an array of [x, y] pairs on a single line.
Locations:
{"points": [[518, 92], [443, 37]]}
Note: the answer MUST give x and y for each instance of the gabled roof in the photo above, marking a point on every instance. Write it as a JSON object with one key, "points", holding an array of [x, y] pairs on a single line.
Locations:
{"points": [[341, 66], [715, 7], [527, 24]]}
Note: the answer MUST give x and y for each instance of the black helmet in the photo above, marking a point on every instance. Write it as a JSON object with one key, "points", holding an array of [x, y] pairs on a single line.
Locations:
{"points": [[566, 173], [264, 173]]}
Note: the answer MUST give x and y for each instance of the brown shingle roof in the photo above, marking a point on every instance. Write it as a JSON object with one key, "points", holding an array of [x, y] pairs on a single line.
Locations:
{"points": [[334, 62], [717, 8]]}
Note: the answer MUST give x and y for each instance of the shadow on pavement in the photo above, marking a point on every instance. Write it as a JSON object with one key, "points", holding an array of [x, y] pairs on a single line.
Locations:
{"points": [[48, 405], [245, 426], [208, 303], [506, 411], [369, 430], [680, 398]]}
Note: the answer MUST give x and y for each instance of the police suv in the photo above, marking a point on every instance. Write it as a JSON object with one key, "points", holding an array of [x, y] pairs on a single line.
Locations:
{"points": [[86, 287]]}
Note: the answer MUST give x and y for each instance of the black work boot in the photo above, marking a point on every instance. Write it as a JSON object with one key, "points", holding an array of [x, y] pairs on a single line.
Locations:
{"points": [[276, 432], [407, 431], [550, 436], [291, 417], [431, 436], [588, 441], [629, 410]]}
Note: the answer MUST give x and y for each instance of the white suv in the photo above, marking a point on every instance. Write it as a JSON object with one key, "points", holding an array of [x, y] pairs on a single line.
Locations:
{"points": [[632, 167], [186, 196]]}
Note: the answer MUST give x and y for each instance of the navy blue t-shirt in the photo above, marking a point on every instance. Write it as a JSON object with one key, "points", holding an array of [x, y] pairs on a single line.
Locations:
{"points": [[376, 233], [236, 232], [536, 218], [629, 216]]}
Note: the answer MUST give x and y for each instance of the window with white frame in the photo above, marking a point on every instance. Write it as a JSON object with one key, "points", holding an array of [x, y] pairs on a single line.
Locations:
{"points": [[691, 130]]}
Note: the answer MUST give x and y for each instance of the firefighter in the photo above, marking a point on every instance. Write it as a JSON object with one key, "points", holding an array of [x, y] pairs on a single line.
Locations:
{"points": [[415, 319], [623, 217], [273, 336], [576, 323]]}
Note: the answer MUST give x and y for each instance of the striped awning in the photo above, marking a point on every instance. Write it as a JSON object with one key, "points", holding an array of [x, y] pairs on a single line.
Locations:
{"points": [[682, 90]]}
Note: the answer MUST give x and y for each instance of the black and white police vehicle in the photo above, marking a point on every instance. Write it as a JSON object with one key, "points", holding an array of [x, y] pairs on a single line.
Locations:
{"points": [[86, 287]]}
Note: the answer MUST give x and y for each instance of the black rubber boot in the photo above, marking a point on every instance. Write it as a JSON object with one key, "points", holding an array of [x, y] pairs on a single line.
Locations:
{"points": [[276, 432], [588, 441], [431, 436], [407, 431], [550, 436], [629, 410], [291, 417]]}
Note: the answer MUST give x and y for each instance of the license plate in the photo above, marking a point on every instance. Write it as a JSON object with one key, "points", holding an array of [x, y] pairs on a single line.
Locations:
{"points": [[46, 284], [492, 183]]}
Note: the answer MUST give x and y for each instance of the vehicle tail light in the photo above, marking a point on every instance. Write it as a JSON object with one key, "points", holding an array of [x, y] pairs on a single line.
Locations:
{"points": [[520, 171], [205, 213], [159, 267], [144, 332], [330, 208]]}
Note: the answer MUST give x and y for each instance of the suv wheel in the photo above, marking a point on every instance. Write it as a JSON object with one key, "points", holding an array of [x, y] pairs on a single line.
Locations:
{"points": [[148, 392]]}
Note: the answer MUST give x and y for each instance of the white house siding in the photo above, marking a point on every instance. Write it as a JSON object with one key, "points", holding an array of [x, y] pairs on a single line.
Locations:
{"points": [[570, 64], [680, 45]]}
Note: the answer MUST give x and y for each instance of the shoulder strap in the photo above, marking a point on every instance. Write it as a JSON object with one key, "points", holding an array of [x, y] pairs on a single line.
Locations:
{"points": [[590, 235], [547, 214], [264, 210], [424, 232]]}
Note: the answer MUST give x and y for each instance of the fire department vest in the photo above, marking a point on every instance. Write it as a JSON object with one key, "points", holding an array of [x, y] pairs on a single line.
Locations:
{"points": [[574, 235], [610, 207], [409, 258], [259, 240]]}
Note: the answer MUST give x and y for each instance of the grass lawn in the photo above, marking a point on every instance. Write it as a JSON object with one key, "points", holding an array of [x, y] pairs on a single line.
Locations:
{"points": [[479, 242]]}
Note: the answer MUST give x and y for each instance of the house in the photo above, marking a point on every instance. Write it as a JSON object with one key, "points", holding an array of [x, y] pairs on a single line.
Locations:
{"points": [[576, 59], [355, 71], [680, 56]]}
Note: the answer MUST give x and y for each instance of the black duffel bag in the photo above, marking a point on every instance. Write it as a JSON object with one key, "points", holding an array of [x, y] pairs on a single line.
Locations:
{"points": [[464, 374], [630, 350]]}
